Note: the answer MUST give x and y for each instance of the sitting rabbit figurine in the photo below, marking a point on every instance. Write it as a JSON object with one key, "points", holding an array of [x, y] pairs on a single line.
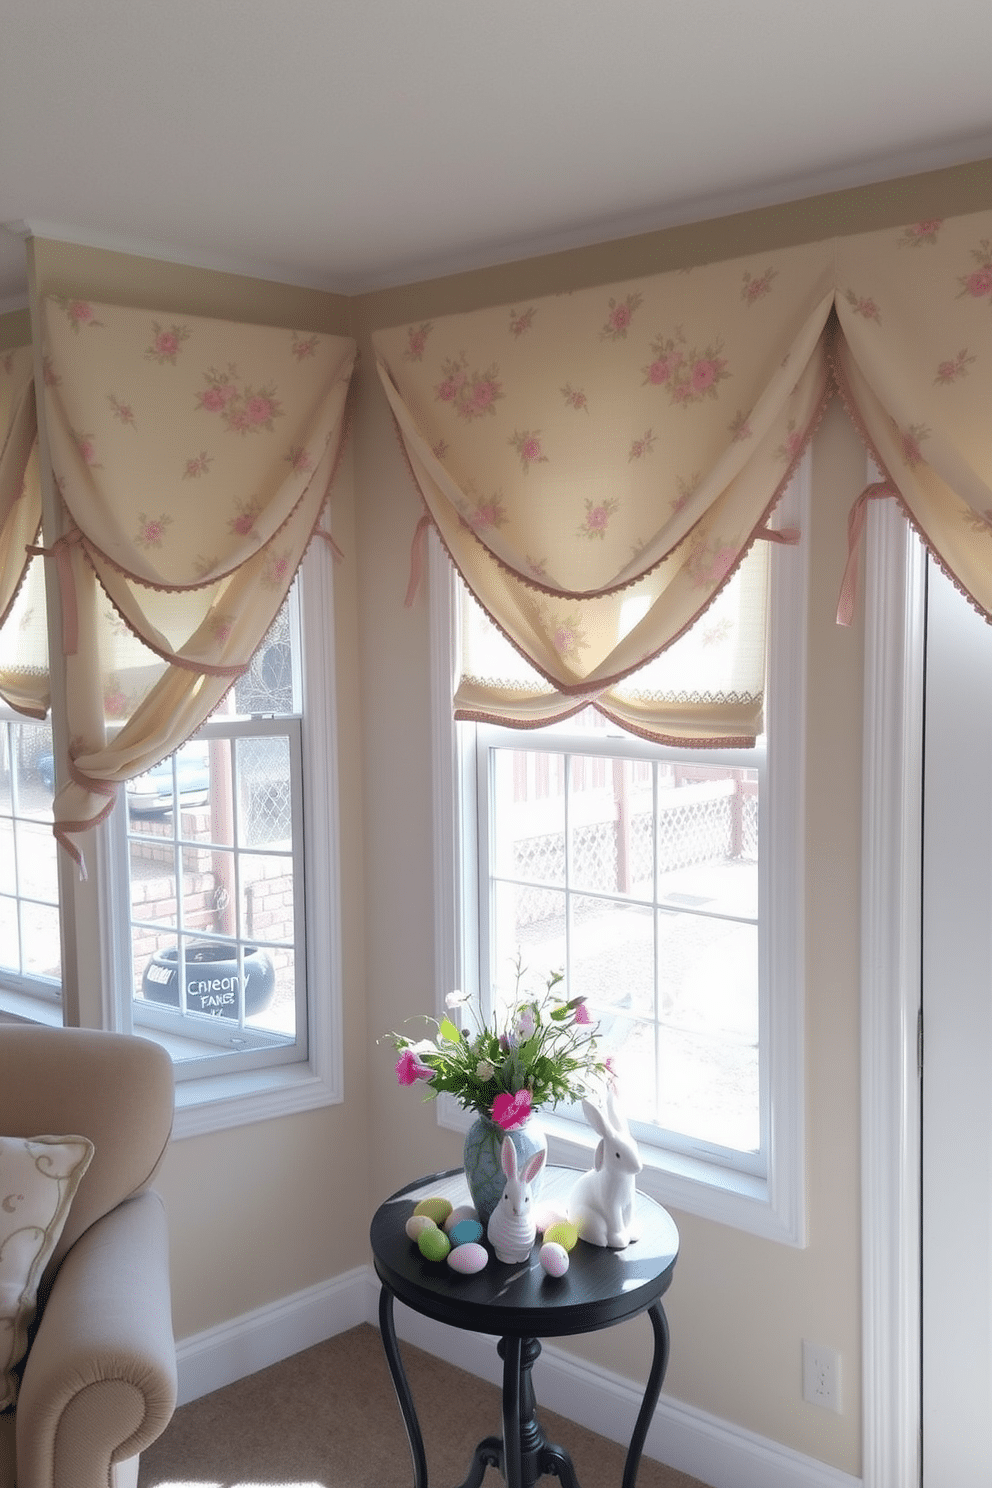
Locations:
{"points": [[512, 1229], [601, 1204]]}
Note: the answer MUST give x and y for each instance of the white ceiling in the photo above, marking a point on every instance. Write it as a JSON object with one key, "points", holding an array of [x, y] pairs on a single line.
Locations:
{"points": [[347, 144]]}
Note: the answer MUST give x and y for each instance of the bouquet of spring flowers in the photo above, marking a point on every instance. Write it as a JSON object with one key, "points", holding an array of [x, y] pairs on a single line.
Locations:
{"points": [[545, 1052]]}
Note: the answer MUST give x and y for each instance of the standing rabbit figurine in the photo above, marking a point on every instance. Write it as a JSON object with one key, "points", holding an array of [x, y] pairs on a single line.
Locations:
{"points": [[601, 1204], [512, 1230]]}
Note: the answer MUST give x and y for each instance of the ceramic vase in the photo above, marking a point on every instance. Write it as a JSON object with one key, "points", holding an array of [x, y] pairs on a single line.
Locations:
{"points": [[483, 1170]]}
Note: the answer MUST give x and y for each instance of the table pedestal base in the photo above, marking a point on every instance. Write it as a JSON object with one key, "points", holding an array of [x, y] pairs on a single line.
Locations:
{"points": [[527, 1454], [523, 1454]]}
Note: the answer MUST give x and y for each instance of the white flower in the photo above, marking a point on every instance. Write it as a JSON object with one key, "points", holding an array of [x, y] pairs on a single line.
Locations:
{"points": [[525, 1024], [456, 999]]}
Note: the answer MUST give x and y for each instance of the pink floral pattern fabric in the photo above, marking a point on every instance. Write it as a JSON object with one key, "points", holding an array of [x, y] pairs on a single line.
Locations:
{"points": [[554, 442], [23, 648], [190, 502], [613, 453]]}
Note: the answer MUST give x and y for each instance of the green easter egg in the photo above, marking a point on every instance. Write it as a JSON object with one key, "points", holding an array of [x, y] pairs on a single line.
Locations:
{"points": [[565, 1235], [435, 1209], [433, 1244]]}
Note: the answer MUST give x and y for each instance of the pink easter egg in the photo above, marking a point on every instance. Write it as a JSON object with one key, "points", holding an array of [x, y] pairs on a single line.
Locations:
{"points": [[469, 1258], [554, 1258]]}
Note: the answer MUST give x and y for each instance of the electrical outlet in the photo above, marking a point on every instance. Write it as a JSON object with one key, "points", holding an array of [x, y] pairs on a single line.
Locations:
{"points": [[821, 1376]]}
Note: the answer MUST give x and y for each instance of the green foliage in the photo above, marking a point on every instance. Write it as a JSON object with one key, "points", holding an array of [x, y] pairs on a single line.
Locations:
{"points": [[547, 1046]]}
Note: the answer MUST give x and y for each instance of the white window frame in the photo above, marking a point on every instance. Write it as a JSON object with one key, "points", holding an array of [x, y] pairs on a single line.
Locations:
{"points": [[212, 1101], [771, 1205]]}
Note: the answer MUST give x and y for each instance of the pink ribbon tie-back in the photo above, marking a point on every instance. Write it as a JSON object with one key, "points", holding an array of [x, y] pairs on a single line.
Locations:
{"points": [[60, 551], [856, 519]]}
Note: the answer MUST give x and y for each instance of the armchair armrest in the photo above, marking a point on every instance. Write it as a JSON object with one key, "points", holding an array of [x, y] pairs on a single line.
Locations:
{"points": [[100, 1383]]}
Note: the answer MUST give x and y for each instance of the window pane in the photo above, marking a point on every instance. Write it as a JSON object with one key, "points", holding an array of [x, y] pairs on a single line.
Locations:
{"points": [[30, 943], [638, 876]]}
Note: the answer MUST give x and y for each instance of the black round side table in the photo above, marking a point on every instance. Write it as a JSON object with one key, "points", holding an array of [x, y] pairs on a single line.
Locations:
{"points": [[519, 1304]]}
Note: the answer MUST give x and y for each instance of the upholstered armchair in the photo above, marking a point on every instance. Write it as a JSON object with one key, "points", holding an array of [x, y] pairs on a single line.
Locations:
{"points": [[97, 1382]]}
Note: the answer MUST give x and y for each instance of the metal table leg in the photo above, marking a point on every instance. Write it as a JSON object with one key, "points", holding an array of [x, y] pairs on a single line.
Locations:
{"points": [[387, 1330], [652, 1390]]}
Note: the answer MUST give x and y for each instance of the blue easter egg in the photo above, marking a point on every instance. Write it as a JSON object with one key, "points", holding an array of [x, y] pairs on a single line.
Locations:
{"points": [[465, 1232]]}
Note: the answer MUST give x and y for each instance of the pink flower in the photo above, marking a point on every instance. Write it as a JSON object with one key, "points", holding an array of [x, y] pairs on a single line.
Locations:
{"points": [[721, 564], [87, 451], [243, 524], [486, 515], [980, 282], [704, 374], [660, 371], [167, 343], [929, 227], [80, 311], [620, 317], [511, 1111], [418, 340], [531, 449], [582, 1014], [447, 389], [597, 518], [214, 399], [562, 638], [483, 394], [947, 372], [409, 1069], [259, 409], [153, 532]]}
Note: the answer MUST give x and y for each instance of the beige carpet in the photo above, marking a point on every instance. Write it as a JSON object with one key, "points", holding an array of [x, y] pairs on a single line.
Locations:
{"points": [[328, 1418]]}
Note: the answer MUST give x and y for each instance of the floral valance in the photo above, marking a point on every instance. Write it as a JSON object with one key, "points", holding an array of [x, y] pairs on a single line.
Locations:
{"points": [[193, 458], [614, 452]]}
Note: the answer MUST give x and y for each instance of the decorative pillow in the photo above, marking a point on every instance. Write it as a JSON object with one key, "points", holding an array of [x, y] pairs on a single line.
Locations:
{"points": [[38, 1178]]}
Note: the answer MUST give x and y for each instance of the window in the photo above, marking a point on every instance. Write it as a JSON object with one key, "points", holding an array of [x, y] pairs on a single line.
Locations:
{"points": [[225, 856], [649, 874]]}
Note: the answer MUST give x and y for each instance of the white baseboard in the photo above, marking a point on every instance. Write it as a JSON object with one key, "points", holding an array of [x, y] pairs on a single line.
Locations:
{"points": [[221, 1355], [715, 1451]]}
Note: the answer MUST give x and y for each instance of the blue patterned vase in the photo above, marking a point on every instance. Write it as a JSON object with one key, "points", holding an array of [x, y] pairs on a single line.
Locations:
{"points": [[483, 1169]]}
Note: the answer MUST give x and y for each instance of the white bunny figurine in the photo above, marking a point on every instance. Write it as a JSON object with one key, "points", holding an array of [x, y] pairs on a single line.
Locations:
{"points": [[512, 1229], [601, 1204]]}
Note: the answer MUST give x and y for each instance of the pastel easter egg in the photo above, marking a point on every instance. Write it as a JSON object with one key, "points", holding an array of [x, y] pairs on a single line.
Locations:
{"points": [[554, 1258], [460, 1212], [433, 1244], [465, 1232], [418, 1222], [436, 1209], [469, 1258], [548, 1215], [564, 1234]]}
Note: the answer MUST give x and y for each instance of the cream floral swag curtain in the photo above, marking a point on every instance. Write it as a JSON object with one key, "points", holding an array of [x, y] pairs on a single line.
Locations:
{"points": [[23, 642], [193, 458], [599, 463]]}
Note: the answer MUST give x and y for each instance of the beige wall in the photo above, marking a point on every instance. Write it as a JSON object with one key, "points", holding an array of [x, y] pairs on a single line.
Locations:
{"points": [[15, 329], [260, 1212]]}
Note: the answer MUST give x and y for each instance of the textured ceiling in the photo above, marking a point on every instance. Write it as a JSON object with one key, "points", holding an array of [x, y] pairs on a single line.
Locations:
{"points": [[350, 145]]}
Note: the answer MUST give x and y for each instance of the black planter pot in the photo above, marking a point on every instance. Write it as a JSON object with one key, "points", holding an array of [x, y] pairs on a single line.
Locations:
{"points": [[213, 981]]}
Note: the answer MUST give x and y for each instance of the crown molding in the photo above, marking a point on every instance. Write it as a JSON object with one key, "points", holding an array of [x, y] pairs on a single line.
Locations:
{"points": [[221, 263]]}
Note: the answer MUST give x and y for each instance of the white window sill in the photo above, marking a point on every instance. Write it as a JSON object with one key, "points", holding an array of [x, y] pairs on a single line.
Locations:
{"points": [[742, 1200], [218, 1102]]}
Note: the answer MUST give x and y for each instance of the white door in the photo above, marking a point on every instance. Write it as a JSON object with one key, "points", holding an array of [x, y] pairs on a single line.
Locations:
{"points": [[957, 1064]]}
